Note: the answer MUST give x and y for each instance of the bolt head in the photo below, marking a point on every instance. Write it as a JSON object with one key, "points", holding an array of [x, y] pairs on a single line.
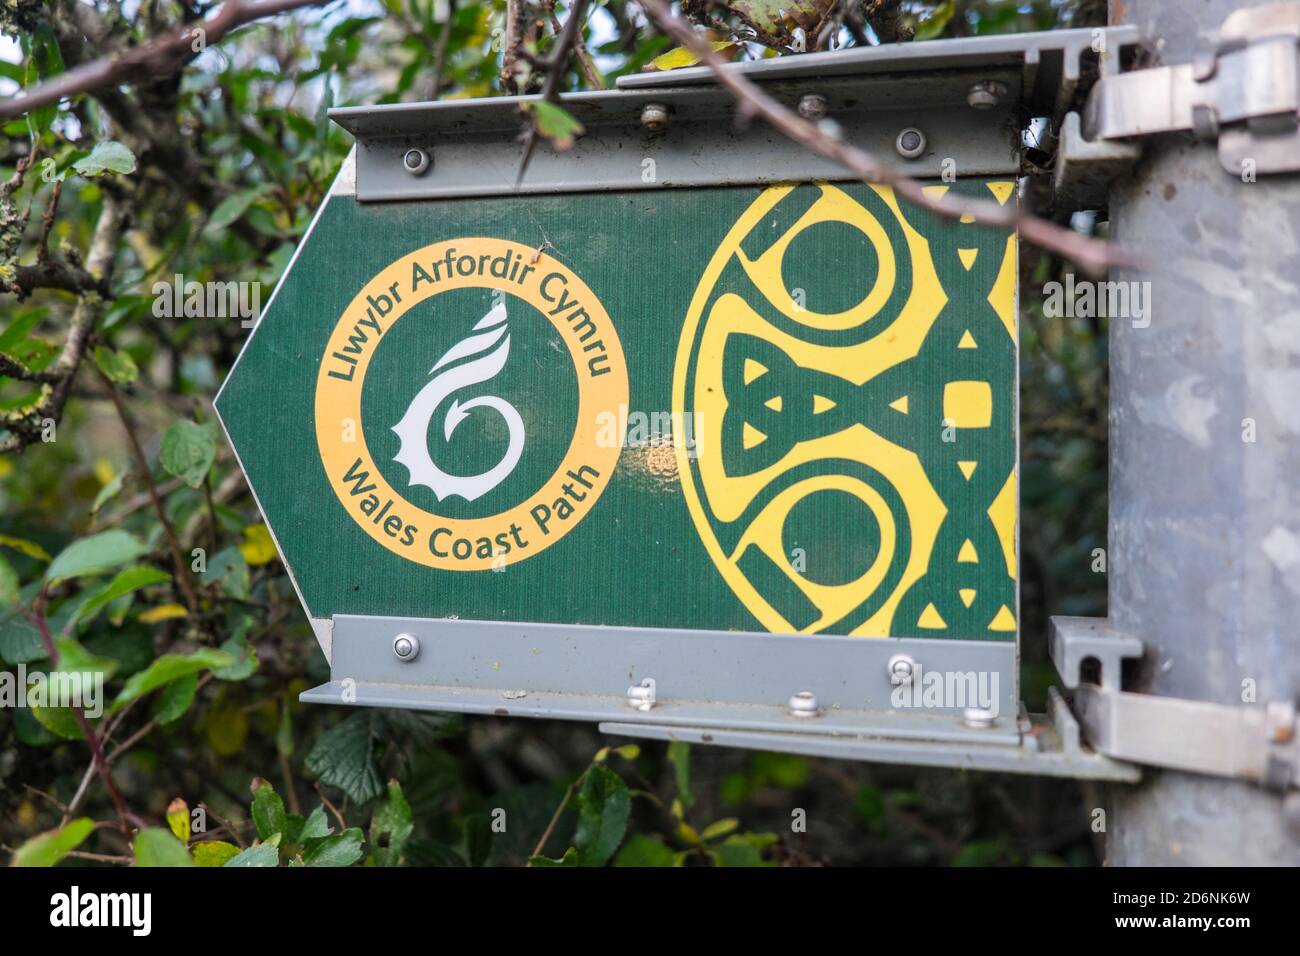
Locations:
{"points": [[910, 143], [655, 116], [902, 668], [416, 161], [406, 647], [803, 704], [813, 106], [986, 94], [979, 718]]}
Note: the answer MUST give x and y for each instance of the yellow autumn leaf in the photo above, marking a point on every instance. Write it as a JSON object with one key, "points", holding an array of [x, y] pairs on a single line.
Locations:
{"points": [[6, 467], [164, 612], [178, 819], [29, 548], [103, 471], [681, 57], [257, 546]]}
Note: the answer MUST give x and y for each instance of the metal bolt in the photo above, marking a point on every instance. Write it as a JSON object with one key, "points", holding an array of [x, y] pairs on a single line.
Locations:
{"points": [[803, 704], [910, 143], [813, 106], [406, 647], [902, 669], [986, 94], [416, 161], [642, 695], [655, 116], [979, 718]]}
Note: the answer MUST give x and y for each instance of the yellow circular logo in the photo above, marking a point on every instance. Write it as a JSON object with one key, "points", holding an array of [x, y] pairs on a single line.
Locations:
{"points": [[466, 431]]}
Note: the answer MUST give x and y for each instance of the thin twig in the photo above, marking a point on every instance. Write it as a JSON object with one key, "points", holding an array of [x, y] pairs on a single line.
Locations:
{"points": [[178, 46], [126, 817], [440, 51], [556, 66], [142, 464], [1095, 255], [343, 825], [555, 818]]}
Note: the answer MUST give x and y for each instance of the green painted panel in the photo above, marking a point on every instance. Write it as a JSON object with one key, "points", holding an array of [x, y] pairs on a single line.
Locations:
{"points": [[785, 409]]}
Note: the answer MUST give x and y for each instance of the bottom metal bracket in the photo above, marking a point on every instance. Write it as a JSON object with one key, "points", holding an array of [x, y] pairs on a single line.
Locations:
{"points": [[1049, 746]]}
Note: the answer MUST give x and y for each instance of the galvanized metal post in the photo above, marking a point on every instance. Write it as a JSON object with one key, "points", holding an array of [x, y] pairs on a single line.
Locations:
{"points": [[1204, 562]]}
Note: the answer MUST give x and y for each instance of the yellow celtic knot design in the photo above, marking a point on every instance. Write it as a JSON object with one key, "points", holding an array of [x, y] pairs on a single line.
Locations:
{"points": [[852, 365]]}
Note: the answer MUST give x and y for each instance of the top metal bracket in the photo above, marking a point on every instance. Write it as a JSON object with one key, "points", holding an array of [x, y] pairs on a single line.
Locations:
{"points": [[1244, 90], [677, 128]]}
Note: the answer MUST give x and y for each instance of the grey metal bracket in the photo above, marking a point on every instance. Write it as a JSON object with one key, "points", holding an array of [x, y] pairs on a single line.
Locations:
{"points": [[811, 694], [1244, 91], [871, 94], [1259, 743]]}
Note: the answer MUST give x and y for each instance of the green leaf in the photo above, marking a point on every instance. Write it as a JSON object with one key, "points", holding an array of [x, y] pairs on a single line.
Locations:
{"points": [[60, 721], [216, 853], [268, 810], [48, 848], [125, 582], [158, 847], [554, 122], [228, 569], [109, 156], [603, 808], [390, 827], [73, 658], [642, 850], [771, 15], [168, 668], [175, 699], [263, 854], [20, 641], [232, 207], [188, 450], [744, 850], [570, 858], [679, 754], [315, 827], [95, 554], [719, 828], [119, 367], [344, 757], [106, 493], [933, 25], [245, 659], [9, 584], [344, 849]]}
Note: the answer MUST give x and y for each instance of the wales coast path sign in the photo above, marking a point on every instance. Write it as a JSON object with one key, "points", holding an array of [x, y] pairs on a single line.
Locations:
{"points": [[708, 440], [787, 409]]}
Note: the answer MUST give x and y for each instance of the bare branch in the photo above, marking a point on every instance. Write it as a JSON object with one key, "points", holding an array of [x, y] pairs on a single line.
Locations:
{"points": [[175, 48], [1095, 255], [25, 424]]}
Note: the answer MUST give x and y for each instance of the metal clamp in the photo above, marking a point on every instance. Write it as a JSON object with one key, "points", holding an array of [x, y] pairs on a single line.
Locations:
{"points": [[1251, 742], [1244, 91]]}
